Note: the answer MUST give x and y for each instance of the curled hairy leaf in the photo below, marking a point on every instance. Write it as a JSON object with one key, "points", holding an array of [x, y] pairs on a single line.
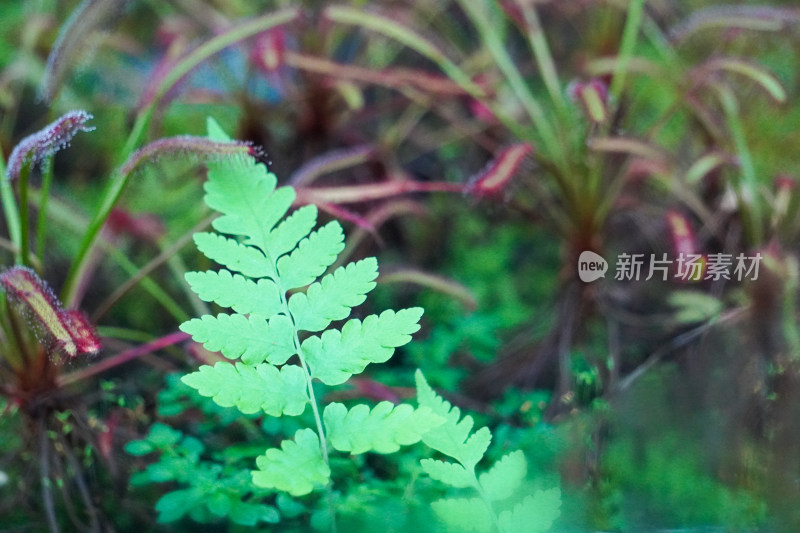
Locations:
{"points": [[186, 145], [89, 17], [36, 147]]}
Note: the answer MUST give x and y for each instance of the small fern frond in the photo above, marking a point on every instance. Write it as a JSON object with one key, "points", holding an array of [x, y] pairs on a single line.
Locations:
{"points": [[253, 339], [231, 254], [332, 298], [298, 467], [237, 292], [495, 487], [534, 514], [383, 429], [452, 438], [252, 388], [337, 355], [267, 254]]}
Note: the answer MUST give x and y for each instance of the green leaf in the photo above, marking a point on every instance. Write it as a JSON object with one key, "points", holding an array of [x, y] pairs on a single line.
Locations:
{"points": [[236, 256], [534, 514], [453, 474], [333, 297], [383, 429], [234, 291], [253, 338], [463, 514], [335, 356], [173, 505], [453, 437], [252, 388], [312, 256], [162, 436], [285, 237], [250, 514], [297, 467], [139, 447], [505, 476], [244, 192]]}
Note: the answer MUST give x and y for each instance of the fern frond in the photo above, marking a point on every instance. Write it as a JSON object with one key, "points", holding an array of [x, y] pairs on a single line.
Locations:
{"points": [[312, 256], [285, 237], [234, 255], [383, 429], [332, 298], [452, 474], [252, 388], [245, 194], [254, 339], [270, 255], [463, 514], [534, 514], [505, 477], [337, 355], [297, 467], [453, 437], [237, 292]]}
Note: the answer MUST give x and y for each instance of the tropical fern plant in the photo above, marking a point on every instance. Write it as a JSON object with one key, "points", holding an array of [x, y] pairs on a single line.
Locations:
{"points": [[282, 343], [502, 503]]}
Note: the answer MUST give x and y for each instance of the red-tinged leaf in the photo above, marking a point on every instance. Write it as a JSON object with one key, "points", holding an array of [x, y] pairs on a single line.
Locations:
{"points": [[69, 330], [330, 162], [269, 50], [681, 233], [592, 96], [147, 226], [36, 147], [397, 78], [494, 179], [84, 335]]}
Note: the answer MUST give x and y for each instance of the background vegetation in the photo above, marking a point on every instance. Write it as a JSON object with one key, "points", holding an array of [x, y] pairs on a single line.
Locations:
{"points": [[475, 148]]}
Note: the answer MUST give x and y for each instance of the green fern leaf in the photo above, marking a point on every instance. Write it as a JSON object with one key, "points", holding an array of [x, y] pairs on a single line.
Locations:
{"points": [[285, 237], [332, 298], [505, 476], [244, 192], [383, 429], [253, 338], [312, 256], [453, 474], [463, 514], [234, 255], [534, 514], [252, 388], [337, 355], [237, 292], [297, 467], [453, 437]]}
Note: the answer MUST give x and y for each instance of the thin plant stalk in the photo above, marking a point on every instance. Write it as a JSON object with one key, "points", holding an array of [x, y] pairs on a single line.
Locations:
{"points": [[11, 212], [747, 190], [633, 22], [544, 58], [24, 243], [41, 217], [496, 47]]}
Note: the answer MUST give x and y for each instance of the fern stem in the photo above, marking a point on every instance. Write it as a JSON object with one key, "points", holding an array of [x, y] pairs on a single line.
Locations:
{"points": [[476, 484]]}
